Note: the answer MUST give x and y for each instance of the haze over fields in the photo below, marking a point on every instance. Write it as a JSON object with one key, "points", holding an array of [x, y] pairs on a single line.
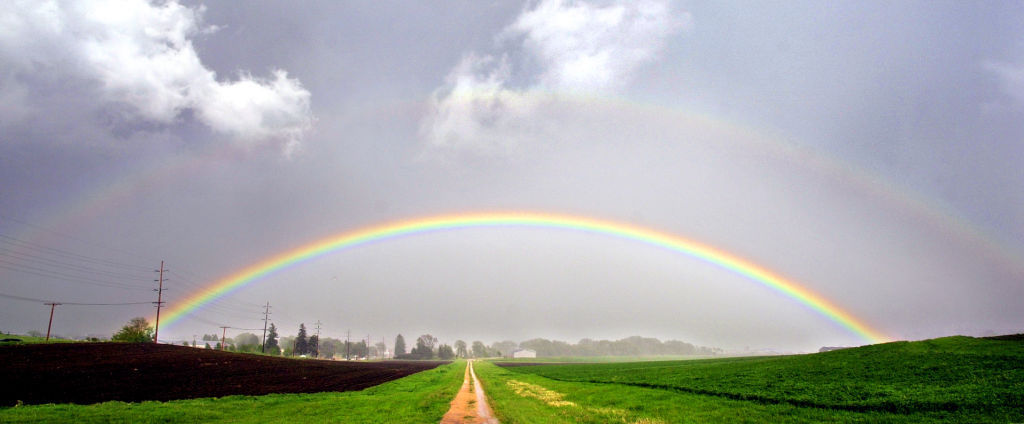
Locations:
{"points": [[869, 152]]}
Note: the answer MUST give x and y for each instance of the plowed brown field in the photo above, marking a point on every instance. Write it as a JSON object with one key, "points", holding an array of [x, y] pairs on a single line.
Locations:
{"points": [[96, 372]]}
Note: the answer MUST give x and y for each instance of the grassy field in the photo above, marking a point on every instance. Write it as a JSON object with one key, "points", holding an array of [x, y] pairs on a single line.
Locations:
{"points": [[601, 359], [420, 398], [950, 379]]}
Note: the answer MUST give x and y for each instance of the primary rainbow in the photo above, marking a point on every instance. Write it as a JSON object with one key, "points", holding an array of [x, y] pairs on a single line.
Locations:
{"points": [[414, 226]]}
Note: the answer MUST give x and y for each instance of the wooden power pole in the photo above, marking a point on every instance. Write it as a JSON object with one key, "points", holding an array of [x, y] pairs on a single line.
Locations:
{"points": [[223, 337], [50, 325], [159, 302]]}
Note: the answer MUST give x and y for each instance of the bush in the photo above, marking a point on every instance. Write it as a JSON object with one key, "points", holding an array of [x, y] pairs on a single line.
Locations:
{"points": [[136, 331]]}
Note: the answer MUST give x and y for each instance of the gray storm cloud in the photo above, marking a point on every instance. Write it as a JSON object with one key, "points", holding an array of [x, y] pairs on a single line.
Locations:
{"points": [[853, 148], [142, 56]]}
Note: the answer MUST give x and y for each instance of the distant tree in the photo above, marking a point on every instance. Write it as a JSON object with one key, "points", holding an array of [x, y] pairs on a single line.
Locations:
{"points": [[313, 346], [210, 338], [460, 349], [184, 343], [218, 347], [207, 345], [445, 352], [359, 350], [479, 349], [35, 333], [136, 331], [424, 348], [271, 346], [381, 348], [330, 347], [427, 341], [247, 342], [506, 347], [399, 345], [301, 343]]}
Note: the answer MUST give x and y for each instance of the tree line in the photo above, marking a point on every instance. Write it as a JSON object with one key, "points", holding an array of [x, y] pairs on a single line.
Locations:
{"points": [[630, 346], [425, 347]]}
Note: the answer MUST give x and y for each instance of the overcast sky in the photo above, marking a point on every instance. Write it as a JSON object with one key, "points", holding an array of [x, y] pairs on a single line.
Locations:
{"points": [[871, 151]]}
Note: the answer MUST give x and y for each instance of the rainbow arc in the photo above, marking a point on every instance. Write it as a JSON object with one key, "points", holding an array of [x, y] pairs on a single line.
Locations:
{"points": [[363, 236]]}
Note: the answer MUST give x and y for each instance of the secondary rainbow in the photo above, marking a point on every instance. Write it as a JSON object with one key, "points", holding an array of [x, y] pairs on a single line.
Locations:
{"points": [[360, 237]]}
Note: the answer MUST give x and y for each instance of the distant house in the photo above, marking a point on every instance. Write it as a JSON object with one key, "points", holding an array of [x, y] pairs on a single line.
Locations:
{"points": [[524, 353], [831, 348]]}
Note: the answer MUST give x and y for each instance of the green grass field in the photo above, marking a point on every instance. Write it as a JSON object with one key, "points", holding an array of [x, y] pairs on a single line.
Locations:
{"points": [[420, 398], [602, 359], [950, 379]]}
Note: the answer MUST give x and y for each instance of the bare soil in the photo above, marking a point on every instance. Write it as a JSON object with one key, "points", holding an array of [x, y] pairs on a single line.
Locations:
{"points": [[470, 404], [87, 373]]}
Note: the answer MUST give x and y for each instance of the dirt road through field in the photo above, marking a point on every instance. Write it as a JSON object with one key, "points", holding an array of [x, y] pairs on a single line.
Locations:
{"points": [[470, 404]]}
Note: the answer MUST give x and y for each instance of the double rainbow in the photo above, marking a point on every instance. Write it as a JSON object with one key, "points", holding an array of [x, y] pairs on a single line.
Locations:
{"points": [[415, 226]]}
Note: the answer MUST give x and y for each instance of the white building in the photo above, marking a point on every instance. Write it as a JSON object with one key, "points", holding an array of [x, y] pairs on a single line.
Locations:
{"points": [[524, 353]]}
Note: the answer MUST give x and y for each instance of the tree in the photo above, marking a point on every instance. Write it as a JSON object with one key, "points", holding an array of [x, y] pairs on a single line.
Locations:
{"points": [[426, 341], [271, 346], [424, 347], [399, 345], [460, 349], [445, 352], [506, 347], [381, 348], [301, 344], [479, 349], [136, 331], [313, 346], [247, 342]]}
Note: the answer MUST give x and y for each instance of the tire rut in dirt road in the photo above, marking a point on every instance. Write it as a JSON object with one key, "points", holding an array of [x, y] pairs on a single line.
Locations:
{"points": [[470, 404]]}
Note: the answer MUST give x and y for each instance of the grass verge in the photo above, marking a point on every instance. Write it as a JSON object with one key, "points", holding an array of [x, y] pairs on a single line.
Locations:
{"points": [[420, 398]]}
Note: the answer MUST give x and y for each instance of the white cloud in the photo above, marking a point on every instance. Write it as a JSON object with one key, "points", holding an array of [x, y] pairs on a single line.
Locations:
{"points": [[590, 48], [141, 55], [581, 49], [1012, 79]]}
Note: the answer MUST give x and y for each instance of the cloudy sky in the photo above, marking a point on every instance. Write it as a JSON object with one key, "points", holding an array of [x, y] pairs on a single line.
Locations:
{"points": [[870, 151]]}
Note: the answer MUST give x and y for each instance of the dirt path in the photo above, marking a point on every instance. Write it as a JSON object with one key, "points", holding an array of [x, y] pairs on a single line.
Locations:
{"points": [[470, 404]]}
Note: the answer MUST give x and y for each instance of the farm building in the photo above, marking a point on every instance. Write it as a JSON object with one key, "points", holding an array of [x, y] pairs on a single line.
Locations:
{"points": [[524, 353]]}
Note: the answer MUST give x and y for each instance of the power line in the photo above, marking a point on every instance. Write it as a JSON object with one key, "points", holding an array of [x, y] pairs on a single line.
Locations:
{"points": [[31, 299], [22, 256], [66, 236], [60, 252], [67, 278]]}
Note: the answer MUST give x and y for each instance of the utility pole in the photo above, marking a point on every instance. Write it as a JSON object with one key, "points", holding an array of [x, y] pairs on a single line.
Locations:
{"points": [[50, 325], [316, 348], [367, 347], [223, 336], [266, 318], [348, 333], [159, 302]]}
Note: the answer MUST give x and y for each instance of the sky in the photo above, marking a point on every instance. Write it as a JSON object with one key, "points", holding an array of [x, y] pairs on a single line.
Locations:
{"points": [[870, 152]]}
